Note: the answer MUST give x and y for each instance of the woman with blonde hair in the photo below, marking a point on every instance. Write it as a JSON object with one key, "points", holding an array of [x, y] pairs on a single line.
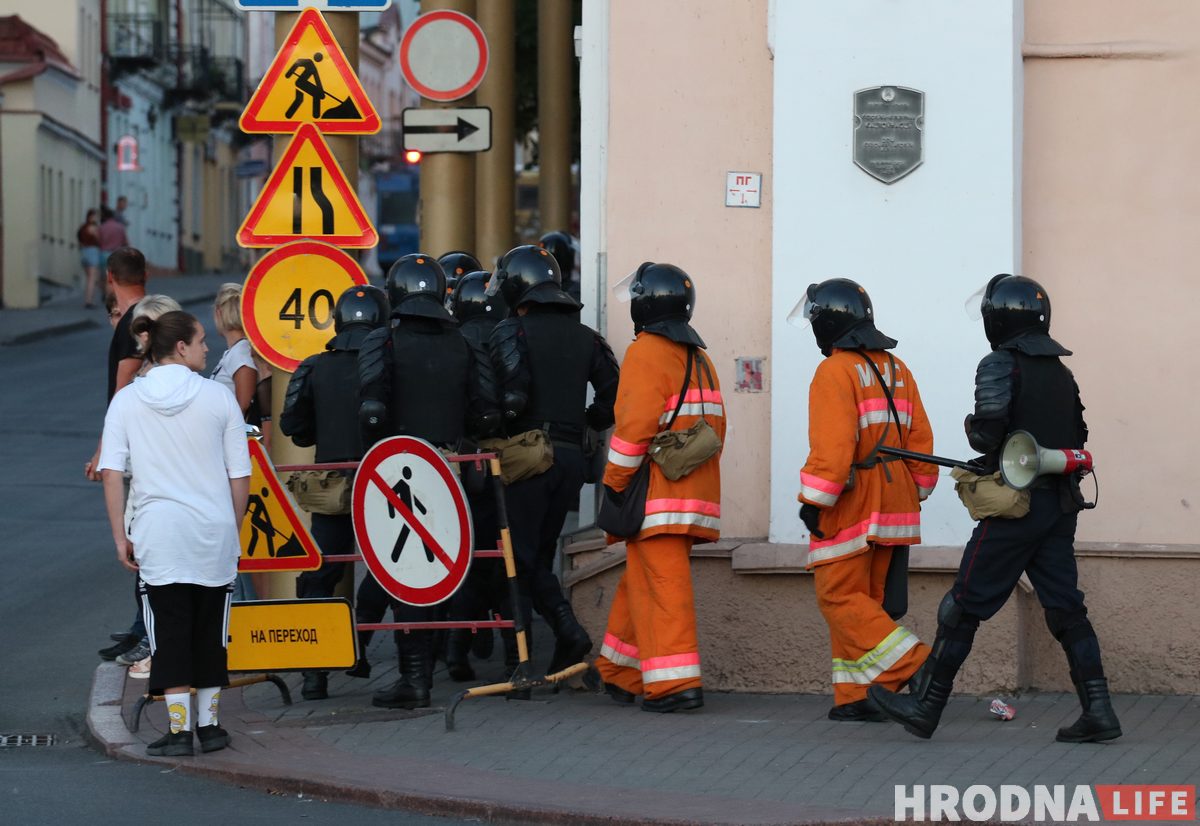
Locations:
{"points": [[236, 369], [153, 307]]}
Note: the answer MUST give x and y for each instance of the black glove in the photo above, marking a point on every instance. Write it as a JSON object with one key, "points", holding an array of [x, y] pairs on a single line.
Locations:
{"points": [[810, 515]]}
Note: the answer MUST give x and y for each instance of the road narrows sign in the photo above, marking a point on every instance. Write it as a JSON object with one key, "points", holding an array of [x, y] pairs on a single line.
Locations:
{"points": [[412, 521], [307, 196], [310, 81], [289, 296], [273, 537], [444, 55]]}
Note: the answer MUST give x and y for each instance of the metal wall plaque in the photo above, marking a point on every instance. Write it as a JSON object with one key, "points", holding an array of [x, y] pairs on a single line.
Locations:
{"points": [[889, 123]]}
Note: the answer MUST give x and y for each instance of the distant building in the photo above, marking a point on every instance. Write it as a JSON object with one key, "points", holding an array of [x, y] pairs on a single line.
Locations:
{"points": [[50, 151]]}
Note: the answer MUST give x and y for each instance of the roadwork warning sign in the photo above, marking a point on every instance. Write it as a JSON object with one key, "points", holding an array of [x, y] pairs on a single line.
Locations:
{"points": [[310, 81], [273, 537]]}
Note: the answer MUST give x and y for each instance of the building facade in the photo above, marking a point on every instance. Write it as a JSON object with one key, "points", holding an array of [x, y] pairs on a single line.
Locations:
{"points": [[1050, 148]]}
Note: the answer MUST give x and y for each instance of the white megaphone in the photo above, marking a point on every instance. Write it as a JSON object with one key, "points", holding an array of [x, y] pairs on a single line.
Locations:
{"points": [[1023, 460]]}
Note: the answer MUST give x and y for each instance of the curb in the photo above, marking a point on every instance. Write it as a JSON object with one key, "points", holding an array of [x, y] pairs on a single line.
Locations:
{"points": [[47, 332], [108, 731]]}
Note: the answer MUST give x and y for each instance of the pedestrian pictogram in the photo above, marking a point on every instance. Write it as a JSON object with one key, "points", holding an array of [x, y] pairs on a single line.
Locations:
{"points": [[307, 196], [273, 537], [447, 130], [310, 81], [444, 55], [412, 521], [288, 300]]}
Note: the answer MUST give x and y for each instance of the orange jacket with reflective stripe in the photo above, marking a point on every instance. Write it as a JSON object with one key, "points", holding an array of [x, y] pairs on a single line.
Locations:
{"points": [[847, 413], [651, 378]]}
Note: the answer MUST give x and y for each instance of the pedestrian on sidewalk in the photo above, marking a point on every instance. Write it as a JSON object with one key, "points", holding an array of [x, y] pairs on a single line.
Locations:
{"points": [[861, 507], [236, 370], [112, 236], [650, 645], [183, 440], [1021, 385], [88, 237]]}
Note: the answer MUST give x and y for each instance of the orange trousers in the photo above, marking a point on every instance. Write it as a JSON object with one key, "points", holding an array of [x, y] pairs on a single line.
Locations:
{"points": [[868, 647], [650, 644]]}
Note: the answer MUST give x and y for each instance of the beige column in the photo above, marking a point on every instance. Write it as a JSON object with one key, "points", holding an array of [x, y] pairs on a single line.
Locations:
{"points": [[555, 45], [495, 180], [447, 206]]}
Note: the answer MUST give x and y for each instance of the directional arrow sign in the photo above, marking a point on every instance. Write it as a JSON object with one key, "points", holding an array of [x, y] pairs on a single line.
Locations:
{"points": [[448, 130]]}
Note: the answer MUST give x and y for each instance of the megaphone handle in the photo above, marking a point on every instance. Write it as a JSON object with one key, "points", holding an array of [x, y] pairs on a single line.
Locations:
{"points": [[1077, 494]]}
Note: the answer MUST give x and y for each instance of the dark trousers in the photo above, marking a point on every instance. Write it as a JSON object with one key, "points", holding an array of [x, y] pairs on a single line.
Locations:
{"points": [[537, 509], [372, 602], [188, 627], [486, 587], [334, 536], [1041, 544]]}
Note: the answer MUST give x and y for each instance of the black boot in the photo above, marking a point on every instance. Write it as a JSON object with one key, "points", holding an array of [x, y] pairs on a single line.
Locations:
{"points": [[412, 689], [920, 711], [362, 668], [571, 641], [458, 666], [1098, 721], [316, 685]]}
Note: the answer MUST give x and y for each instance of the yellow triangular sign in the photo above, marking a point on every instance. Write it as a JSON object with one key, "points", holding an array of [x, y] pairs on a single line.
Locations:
{"points": [[310, 81], [307, 196], [273, 537]]}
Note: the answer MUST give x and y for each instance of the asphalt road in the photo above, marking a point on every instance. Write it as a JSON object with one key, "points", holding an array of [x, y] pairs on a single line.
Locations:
{"points": [[63, 592]]}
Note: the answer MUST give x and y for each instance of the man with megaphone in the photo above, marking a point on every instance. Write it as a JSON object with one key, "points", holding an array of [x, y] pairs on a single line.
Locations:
{"points": [[1022, 385]]}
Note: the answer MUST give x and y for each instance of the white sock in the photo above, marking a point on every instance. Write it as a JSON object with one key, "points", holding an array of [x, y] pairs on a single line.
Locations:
{"points": [[207, 700], [179, 711]]}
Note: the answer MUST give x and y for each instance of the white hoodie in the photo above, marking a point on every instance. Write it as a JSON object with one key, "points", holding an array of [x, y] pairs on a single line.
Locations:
{"points": [[182, 438]]}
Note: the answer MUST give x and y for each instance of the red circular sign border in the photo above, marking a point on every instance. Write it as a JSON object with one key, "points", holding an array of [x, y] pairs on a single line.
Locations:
{"points": [[480, 40], [385, 449], [259, 271]]}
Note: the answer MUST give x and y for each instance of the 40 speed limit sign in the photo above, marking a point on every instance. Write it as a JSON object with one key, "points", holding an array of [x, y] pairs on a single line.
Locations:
{"points": [[288, 300]]}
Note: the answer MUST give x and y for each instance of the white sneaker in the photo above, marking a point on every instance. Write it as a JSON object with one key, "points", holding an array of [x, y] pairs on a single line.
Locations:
{"points": [[140, 670]]}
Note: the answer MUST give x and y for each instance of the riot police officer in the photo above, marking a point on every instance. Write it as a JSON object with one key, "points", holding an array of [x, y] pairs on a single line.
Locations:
{"points": [[546, 359], [1021, 385], [562, 247], [457, 264], [420, 378], [321, 409], [486, 586]]}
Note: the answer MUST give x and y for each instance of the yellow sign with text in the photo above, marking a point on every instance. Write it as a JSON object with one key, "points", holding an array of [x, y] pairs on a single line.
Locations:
{"points": [[292, 635]]}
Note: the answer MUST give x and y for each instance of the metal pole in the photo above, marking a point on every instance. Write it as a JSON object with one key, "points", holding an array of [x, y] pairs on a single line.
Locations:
{"points": [[447, 213], [495, 181], [555, 55]]}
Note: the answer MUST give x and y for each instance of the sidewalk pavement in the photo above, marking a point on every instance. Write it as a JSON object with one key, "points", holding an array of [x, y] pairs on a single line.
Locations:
{"points": [[64, 312], [577, 757]]}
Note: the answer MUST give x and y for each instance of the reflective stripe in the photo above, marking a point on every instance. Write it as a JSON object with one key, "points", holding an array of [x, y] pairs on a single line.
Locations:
{"points": [[925, 484], [705, 409], [705, 395], [621, 460], [870, 666], [882, 417], [694, 505], [819, 491], [626, 454], [670, 667], [617, 658], [620, 646], [906, 526], [699, 520]]}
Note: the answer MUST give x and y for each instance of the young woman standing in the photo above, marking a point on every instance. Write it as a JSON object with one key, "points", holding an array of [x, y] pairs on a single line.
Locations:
{"points": [[183, 440]]}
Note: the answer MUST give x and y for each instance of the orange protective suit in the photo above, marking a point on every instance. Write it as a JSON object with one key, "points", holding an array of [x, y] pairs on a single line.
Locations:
{"points": [[848, 412], [650, 645]]}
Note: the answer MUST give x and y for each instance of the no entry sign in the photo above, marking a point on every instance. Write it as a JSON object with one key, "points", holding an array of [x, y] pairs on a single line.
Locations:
{"points": [[412, 521], [444, 55]]}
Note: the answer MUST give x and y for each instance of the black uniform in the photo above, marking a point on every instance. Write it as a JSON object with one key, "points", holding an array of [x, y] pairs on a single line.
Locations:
{"points": [[424, 377], [546, 359]]}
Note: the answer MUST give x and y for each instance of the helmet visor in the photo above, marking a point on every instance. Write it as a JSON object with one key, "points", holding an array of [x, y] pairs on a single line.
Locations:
{"points": [[493, 283], [973, 306], [624, 288], [801, 315]]}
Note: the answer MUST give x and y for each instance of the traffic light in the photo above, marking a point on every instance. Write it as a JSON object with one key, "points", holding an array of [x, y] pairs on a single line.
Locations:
{"points": [[412, 156]]}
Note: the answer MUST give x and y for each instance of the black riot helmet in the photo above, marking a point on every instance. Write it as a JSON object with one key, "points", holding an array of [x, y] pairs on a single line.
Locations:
{"points": [[416, 285], [1012, 305], [661, 300], [529, 274], [456, 264], [470, 299], [562, 247], [841, 316], [363, 305]]}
